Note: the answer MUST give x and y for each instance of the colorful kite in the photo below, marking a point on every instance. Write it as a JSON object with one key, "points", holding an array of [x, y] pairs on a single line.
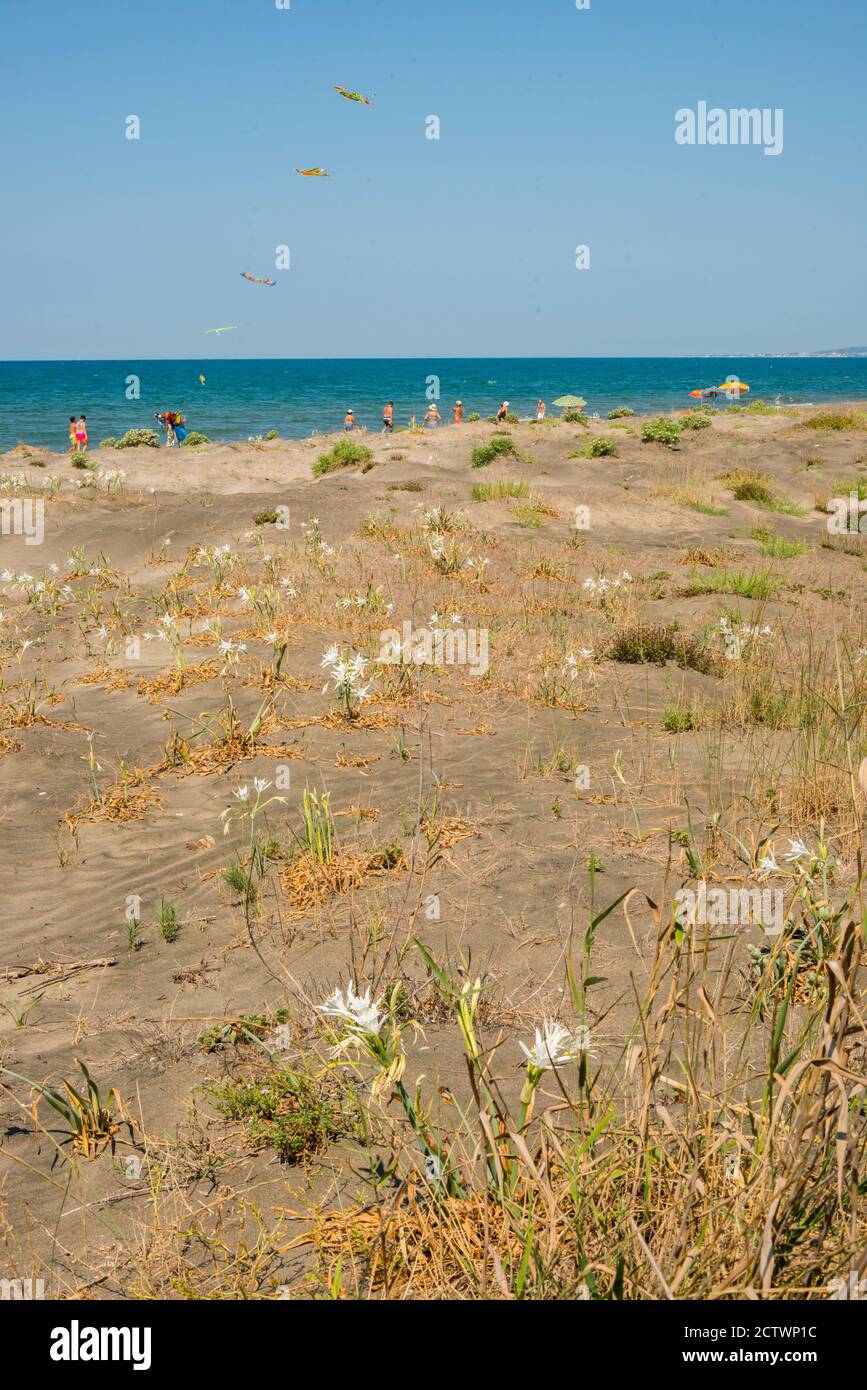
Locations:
{"points": [[354, 96], [228, 329], [257, 279], [314, 173]]}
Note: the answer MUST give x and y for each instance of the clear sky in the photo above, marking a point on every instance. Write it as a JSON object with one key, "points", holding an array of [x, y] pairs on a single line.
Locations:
{"points": [[557, 129]]}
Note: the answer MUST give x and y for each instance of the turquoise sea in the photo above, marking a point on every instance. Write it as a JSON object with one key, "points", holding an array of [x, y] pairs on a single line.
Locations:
{"points": [[247, 397]]}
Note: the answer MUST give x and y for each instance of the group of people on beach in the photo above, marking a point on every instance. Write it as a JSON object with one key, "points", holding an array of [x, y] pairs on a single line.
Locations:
{"points": [[78, 434], [175, 425], [432, 417]]}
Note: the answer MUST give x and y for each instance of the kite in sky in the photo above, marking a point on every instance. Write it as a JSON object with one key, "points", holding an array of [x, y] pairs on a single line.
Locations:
{"points": [[227, 329], [314, 173], [257, 279], [354, 96]]}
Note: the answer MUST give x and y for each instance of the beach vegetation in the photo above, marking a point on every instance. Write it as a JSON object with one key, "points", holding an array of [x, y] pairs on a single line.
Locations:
{"points": [[345, 454], [282, 1110], [774, 546], [748, 485], [697, 503], [620, 412], [81, 460], [835, 420], [246, 1028], [696, 420], [529, 514], [92, 1121], [754, 584], [134, 439], [661, 431], [643, 643], [600, 447], [194, 438], [681, 716], [167, 920], [500, 446], [503, 487]]}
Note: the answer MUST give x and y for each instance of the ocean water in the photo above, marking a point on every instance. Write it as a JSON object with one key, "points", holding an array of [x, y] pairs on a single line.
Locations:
{"points": [[241, 398]]}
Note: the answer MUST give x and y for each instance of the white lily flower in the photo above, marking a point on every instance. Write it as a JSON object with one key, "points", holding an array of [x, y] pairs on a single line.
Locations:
{"points": [[356, 1010], [797, 850], [554, 1046]]}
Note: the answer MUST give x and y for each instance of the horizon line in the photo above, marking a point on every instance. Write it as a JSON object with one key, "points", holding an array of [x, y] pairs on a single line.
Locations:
{"points": [[826, 354]]}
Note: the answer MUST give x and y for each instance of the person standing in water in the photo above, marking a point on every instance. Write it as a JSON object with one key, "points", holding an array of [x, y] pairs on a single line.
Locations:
{"points": [[72, 434], [388, 418], [349, 421], [432, 417], [541, 410], [81, 434], [458, 412]]}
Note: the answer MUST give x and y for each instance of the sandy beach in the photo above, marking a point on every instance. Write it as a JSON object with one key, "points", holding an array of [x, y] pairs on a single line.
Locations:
{"points": [[596, 732]]}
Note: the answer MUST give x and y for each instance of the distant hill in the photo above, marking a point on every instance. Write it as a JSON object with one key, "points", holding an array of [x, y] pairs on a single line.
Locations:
{"points": [[827, 352], [840, 352]]}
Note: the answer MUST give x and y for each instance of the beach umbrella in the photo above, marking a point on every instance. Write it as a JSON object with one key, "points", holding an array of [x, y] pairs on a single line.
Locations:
{"points": [[566, 401], [733, 386]]}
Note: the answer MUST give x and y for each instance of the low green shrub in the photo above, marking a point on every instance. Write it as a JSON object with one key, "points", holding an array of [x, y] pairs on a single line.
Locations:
{"points": [[656, 643], [345, 454], [661, 431], [832, 420], [499, 447], [601, 447], [133, 439], [283, 1111]]}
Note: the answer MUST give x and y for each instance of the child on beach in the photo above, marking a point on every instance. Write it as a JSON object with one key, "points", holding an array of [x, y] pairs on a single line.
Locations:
{"points": [[458, 412], [81, 435], [432, 417], [388, 418], [349, 421], [72, 434]]}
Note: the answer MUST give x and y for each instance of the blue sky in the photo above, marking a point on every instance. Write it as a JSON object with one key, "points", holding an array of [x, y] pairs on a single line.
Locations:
{"points": [[557, 128]]}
